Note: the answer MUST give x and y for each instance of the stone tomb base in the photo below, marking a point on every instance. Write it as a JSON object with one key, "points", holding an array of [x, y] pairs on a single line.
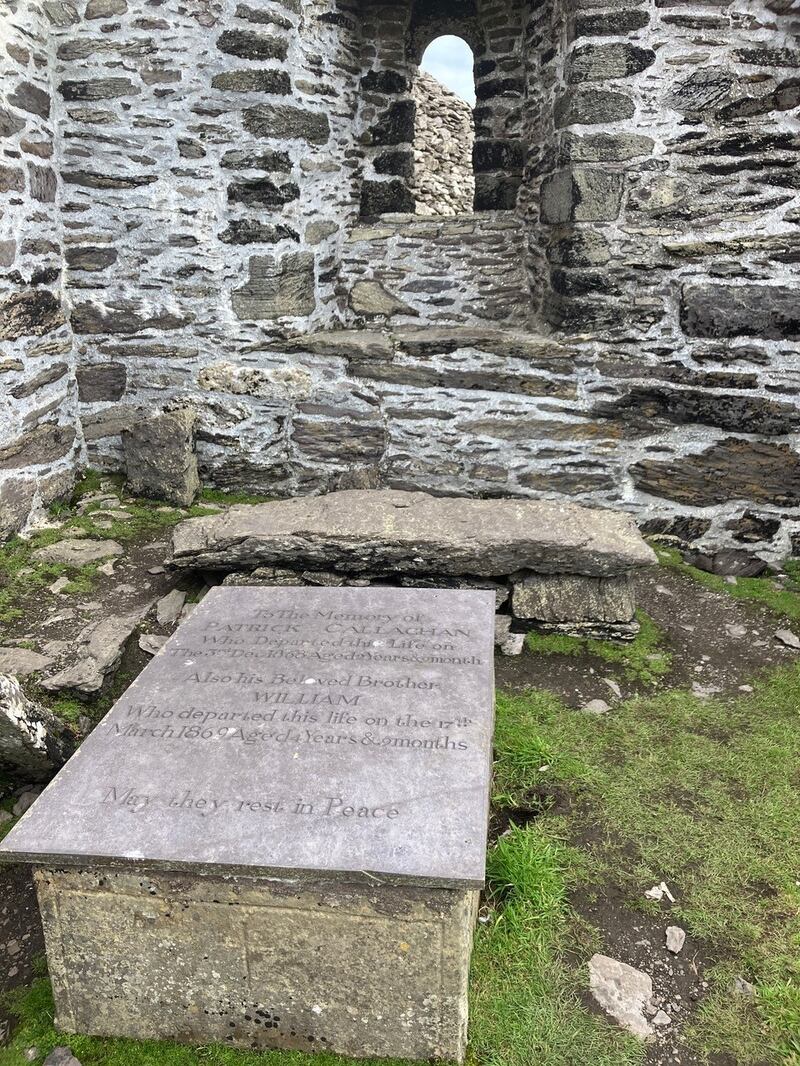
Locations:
{"points": [[377, 970]]}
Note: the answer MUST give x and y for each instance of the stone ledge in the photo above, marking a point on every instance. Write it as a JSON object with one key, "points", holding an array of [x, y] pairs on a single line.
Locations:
{"points": [[412, 532]]}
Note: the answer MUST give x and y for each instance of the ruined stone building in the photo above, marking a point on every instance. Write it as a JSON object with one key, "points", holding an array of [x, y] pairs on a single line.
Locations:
{"points": [[211, 203]]}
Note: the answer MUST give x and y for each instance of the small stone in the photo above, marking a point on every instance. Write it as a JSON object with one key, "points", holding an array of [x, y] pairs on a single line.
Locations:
{"points": [[25, 801], [59, 585], [596, 707], [785, 636], [151, 643], [622, 991], [740, 987], [6, 817], [21, 661], [513, 644], [661, 1018], [61, 1056], [736, 631], [31, 1054], [169, 607], [675, 938], [612, 684], [157, 569], [77, 553]]}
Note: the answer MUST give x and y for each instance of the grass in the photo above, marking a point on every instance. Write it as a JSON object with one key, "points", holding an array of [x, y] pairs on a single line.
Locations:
{"points": [[782, 598], [22, 576], [642, 659]]}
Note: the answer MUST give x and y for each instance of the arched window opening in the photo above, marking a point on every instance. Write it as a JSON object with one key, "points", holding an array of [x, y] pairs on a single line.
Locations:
{"points": [[444, 129]]}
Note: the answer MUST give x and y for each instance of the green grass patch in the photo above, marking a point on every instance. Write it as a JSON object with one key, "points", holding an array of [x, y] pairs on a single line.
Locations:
{"points": [[704, 795], [229, 498], [642, 659], [782, 598]]}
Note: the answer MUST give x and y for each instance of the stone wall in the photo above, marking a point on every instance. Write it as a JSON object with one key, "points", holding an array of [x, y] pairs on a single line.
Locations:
{"points": [[39, 435], [188, 182], [466, 270], [444, 135]]}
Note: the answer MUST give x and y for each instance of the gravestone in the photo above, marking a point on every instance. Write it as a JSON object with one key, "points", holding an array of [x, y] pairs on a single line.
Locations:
{"points": [[276, 837]]}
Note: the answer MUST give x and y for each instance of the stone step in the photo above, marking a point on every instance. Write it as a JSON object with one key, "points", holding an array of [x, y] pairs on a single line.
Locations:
{"points": [[414, 533]]}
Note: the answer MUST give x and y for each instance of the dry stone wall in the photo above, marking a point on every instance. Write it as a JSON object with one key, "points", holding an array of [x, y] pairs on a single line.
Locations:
{"points": [[183, 223], [444, 136]]}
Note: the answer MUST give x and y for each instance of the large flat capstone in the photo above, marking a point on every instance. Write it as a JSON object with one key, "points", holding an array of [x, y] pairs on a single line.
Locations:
{"points": [[414, 533]]}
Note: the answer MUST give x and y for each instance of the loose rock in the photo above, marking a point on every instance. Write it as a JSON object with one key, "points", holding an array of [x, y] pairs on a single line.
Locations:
{"points": [[169, 607], [675, 938], [33, 742], [77, 553], [22, 661], [622, 991]]}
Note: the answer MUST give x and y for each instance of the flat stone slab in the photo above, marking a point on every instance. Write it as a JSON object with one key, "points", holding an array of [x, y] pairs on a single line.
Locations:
{"points": [[331, 732], [412, 532]]}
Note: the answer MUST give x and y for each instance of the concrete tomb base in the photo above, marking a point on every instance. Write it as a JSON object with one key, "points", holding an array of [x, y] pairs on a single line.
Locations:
{"points": [[359, 970]]}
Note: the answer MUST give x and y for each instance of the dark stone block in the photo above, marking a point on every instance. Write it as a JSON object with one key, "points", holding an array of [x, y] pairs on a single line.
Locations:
{"points": [[749, 528], [276, 82], [686, 528], [31, 98], [97, 89], [263, 192], [248, 231], [10, 123], [87, 257], [43, 183], [396, 125], [29, 314], [489, 90], [732, 469], [101, 382], [496, 192], [92, 319], [610, 23], [701, 90], [383, 197], [644, 405], [785, 97], [728, 562], [498, 155], [579, 248], [259, 159], [44, 444], [397, 162], [724, 310], [247, 44], [12, 179], [283, 120], [598, 62], [585, 106], [91, 180], [389, 82]]}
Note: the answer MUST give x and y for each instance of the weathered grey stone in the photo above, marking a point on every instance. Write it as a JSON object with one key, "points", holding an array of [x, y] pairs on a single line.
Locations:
{"points": [[86, 257], [22, 661], [411, 532], [31, 98], [721, 310], [250, 45], [169, 607], [160, 457], [101, 382], [249, 81], [97, 89], [372, 299], [78, 552], [603, 61], [31, 313], [33, 742], [61, 1056], [276, 287], [283, 120], [322, 959], [102, 9], [252, 726], [732, 469], [592, 106], [622, 991], [90, 318], [571, 598], [41, 445], [582, 195], [16, 501], [97, 651]]}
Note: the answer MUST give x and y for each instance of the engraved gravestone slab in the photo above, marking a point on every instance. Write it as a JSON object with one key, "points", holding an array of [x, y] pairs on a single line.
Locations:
{"points": [[327, 732]]}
